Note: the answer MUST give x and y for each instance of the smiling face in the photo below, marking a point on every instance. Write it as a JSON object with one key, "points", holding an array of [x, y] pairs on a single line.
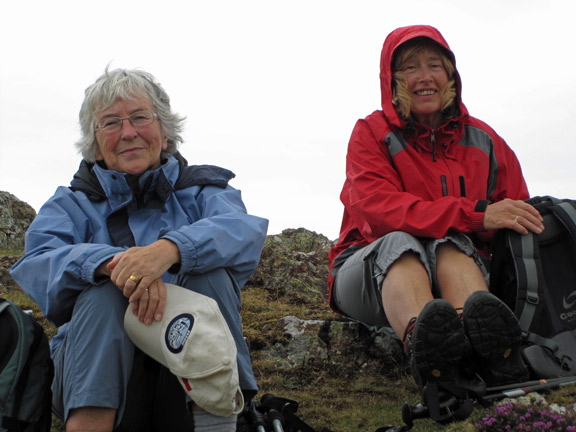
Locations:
{"points": [[426, 78], [131, 150]]}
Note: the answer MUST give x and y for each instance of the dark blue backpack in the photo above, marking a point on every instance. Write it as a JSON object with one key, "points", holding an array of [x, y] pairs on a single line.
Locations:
{"points": [[26, 372], [536, 276]]}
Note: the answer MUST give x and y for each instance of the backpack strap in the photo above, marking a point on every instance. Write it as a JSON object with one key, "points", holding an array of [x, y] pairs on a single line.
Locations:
{"points": [[566, 362], [529, 273], [3, 305], [566, 213]]}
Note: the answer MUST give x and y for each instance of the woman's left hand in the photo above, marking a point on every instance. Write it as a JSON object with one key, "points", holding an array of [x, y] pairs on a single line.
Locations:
{"points": [[513, 214]]}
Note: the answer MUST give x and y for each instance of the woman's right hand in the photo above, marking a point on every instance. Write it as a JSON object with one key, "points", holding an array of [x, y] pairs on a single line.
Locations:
{"points": [[146, 300], [149, 303]]}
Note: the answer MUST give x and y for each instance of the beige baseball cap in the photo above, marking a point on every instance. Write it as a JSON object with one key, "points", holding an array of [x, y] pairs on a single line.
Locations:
{"points": [[194, 342]]}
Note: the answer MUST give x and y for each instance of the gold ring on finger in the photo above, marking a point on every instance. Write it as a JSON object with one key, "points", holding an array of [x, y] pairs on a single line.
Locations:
{"points": [[516, 219], [134, 279]]}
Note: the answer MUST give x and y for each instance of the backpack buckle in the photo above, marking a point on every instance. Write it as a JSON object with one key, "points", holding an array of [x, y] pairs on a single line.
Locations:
{"points": [[532, 298]]}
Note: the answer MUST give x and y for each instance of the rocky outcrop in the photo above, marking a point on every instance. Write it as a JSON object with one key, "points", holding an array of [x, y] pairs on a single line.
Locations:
{"points": [[15, 218], [294, 265], [293, 272], [338, 344]]}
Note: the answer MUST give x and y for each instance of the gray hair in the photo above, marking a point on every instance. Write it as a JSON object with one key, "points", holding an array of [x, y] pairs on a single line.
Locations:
{"points": [[126, 84]]}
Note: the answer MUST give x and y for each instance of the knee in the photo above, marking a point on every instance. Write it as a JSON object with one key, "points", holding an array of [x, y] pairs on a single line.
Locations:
{"points": [[406, 274], [217, 284], [408, 262], [101, 302], [448, 249], [450, 257]]}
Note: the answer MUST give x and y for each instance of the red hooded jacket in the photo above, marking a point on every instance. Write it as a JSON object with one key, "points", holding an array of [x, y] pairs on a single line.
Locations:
{"points": [[424, 182]]}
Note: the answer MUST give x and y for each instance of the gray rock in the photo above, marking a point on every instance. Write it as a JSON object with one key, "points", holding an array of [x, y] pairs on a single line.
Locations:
{"points": [[347, 346], [15, 218]]}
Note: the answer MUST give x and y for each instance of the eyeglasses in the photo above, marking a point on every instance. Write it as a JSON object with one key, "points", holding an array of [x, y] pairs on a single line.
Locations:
{"points": [[114, 124]]}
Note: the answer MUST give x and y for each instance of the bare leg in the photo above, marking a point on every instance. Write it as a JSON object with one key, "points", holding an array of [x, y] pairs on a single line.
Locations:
{"points": [[92, 419], [458, 275], [405, 291]]}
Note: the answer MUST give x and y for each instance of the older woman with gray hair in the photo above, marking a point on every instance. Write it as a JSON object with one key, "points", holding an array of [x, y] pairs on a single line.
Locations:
{"points": [[134, 218]]}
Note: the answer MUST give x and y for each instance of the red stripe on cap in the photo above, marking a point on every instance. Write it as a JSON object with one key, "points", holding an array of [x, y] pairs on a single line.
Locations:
{"points": [[186, 384]]}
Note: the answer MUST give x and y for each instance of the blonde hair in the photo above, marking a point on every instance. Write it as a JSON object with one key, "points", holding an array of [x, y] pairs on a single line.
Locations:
{"points": [[401, 96]]}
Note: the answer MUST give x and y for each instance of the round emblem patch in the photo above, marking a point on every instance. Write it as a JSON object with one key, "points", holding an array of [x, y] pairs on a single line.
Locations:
{"points": [[178, 331]]}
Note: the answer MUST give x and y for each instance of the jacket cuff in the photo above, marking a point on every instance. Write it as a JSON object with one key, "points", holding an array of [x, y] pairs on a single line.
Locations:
{"points": [[481, 206], [187, 248]]}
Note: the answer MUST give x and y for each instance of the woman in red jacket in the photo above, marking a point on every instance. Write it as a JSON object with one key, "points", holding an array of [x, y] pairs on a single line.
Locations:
{"points": [[426, 184]]}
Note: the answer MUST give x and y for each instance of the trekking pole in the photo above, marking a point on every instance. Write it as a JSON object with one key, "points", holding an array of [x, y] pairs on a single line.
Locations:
{"points": [[287, 409], [278, 403], [520, 389], [420, 411], [256, 418], [276, 419], [532, 383]]}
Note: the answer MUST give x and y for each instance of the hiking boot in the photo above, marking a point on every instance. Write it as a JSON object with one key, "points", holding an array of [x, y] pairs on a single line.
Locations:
{"points": [[435, 344], [496, 337]]}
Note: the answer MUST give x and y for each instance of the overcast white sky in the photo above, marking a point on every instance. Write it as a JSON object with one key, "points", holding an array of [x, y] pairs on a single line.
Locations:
{"points": [[272, 89]]}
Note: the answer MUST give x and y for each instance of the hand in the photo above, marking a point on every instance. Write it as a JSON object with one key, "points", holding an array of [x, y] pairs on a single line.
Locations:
{"points": [[137, 270], [103, 269], [149, 303], [513, 214]]}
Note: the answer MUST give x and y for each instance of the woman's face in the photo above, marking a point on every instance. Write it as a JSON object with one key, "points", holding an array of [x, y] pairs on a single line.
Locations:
{"points": [[130, 149], [425, 78]]}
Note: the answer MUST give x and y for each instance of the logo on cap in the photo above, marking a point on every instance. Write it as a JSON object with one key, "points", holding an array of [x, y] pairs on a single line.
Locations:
{"points": [[178, 331]]}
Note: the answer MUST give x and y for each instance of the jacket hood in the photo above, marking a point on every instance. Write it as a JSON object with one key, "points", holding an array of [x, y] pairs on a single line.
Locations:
{"points": [[391, 44]]}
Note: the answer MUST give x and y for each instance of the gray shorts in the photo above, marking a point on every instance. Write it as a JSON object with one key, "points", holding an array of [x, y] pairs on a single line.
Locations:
{"points": [[359, 273]]}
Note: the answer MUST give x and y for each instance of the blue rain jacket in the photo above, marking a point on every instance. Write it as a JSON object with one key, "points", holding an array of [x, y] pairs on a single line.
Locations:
{"points": [[104, 212]]}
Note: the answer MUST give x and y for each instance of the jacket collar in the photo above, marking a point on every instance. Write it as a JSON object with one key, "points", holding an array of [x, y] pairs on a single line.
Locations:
{"points": [[152, 188], [440, 140]]}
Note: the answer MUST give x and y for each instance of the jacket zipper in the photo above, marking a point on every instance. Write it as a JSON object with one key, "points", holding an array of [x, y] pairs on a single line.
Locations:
{"points": [[444, 185], [433, 141], [443, 178]]}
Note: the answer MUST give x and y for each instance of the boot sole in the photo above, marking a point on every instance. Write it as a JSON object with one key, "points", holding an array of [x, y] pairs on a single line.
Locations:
{"points": [[438, 342], [496, 337]]}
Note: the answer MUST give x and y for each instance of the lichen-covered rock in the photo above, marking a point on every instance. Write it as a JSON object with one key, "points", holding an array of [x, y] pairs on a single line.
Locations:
{"points": [[15, 218], [294, 265], [335, 344]]}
